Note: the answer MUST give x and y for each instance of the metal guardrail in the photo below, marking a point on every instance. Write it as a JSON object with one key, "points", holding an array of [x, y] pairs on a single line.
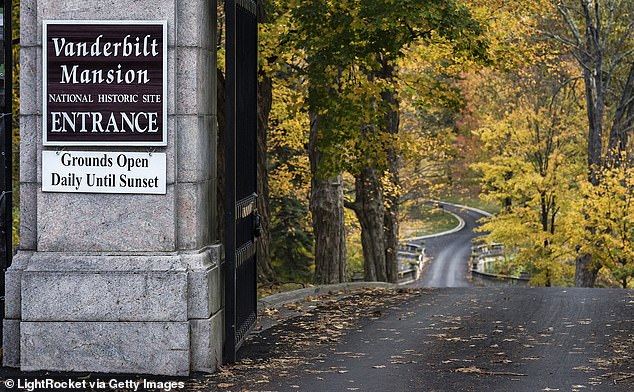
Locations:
{"points": [[483, 255], [411, 258]]}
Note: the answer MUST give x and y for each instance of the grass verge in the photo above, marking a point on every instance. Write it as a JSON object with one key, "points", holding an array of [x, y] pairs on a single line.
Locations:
{"points": [[421, 220]]}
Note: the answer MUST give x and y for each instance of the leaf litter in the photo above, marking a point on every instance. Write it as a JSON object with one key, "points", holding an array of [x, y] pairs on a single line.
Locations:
{"points": [[291, 345]]}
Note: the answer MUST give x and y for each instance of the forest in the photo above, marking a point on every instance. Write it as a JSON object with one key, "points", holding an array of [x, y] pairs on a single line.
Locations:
{"points": [[369, 108]]}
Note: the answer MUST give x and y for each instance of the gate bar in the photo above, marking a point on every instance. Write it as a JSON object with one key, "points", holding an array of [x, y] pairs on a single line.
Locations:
{"points": [[230, 183], [6, 150]]}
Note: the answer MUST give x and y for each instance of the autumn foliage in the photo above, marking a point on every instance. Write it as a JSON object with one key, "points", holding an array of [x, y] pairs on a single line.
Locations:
{"points": [[529, 102]]}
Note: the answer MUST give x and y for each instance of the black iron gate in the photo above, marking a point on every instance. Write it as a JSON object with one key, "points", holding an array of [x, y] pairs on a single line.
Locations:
{"points": [[241, 218], [6, 146]]}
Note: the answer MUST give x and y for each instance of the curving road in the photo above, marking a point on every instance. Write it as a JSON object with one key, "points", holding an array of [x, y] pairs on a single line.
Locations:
{"points": [[450, 253], [447, 339]]}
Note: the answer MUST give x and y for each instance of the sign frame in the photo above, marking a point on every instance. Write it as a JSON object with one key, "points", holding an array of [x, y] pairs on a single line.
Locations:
{"points": [[141, 173], [45, 58]]}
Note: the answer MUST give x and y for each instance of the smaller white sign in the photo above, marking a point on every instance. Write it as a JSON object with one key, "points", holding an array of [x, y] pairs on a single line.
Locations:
{"points": [[104, 172]]}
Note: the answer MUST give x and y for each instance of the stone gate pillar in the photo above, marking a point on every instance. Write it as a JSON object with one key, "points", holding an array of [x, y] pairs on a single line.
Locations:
{"points": [[109, 279]]}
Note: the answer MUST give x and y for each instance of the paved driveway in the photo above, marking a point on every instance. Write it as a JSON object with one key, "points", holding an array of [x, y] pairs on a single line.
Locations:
{"points": [[450, 253], [449, 339]]}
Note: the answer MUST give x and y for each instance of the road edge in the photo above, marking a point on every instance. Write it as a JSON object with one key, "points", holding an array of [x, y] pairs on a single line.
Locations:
{"points": [[461, 225], [280, 299], [479, 211], [461, 221]]}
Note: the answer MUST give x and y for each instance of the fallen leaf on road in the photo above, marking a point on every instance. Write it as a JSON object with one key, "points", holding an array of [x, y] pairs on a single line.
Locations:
{"points": [[586, 369], [310, 371], [470, 369], [476, 370]]}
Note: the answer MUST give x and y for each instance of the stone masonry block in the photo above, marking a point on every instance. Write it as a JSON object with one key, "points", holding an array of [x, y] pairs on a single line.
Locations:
{"points": [[169, 150], [109, 10], [194, 209], [92, 263], [196, 148], [28, 216], [104, 296], [121, 347], [194, 95], [206, 348], [196, 24], [217, 289], [11, 343], [200, 278], [172, 76], [30, 80], [28, 23], [30, 140], [199, 298], [13, 285], [105, 222], [12, 294]]}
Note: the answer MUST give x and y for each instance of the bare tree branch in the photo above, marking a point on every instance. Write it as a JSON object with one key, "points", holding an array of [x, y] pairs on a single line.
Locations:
{"points": [[564, 10]]}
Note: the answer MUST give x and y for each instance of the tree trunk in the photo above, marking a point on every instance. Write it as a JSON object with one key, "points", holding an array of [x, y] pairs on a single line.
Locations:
{"points": [[585, 271], [376, 210], [265, 98], [595, 109], [392, 197], [265, 271], [585, 274], [326, 207], [391, 237], [370, 212]]}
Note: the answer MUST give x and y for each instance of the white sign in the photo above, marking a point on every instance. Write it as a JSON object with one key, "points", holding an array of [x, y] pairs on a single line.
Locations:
{"points": [[104, 172]]}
